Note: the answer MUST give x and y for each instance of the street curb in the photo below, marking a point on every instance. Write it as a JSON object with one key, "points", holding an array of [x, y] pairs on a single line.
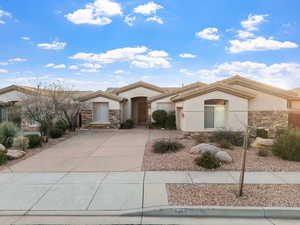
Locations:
{"points": [[219, 211], [172, 211]]}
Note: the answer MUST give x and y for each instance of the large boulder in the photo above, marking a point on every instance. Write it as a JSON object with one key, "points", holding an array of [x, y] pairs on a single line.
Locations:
{"points": [[15, 154], [2, 149], [262, 143], [223, 157], [202, 148]]}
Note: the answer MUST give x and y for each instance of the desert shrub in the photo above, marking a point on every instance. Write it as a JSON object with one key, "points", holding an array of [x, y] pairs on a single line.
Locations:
{"points": [[167, 145], [8, 131], [61, 124], [56, 132], [3, 158], [262, 133], [263, 152], [171, 121], [160, 117], [234, 137], [128, 124], [208, 161], [21, 142], [224, 143], [34, 140], [287, 145]]}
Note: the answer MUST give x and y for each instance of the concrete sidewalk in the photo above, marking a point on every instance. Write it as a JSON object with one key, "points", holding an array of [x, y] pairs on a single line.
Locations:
{"points": [[46, 193]]}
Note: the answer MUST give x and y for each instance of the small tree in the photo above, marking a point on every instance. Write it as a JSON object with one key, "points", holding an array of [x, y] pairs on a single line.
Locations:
{"points": [[38, 106]]}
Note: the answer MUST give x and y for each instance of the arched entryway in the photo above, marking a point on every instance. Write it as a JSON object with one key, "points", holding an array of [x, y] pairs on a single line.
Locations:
{"points": [[139, 109]]}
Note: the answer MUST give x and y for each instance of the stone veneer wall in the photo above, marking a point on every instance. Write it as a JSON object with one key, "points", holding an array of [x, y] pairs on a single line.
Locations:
{"points": [[269, 120], [114, 119]]}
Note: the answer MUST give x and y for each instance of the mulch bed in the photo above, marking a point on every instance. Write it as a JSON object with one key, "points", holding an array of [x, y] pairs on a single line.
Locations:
{"points": [[183, 160], [261, 195], [31, 152]]}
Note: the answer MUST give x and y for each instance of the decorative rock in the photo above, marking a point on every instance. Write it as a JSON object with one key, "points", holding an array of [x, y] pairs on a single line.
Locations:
{"points": [[262, 143], [202, 148], [15, 154], [223, 157], [3, 149]]}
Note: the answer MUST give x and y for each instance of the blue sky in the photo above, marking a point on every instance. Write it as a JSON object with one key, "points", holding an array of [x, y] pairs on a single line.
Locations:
{"points": [[95, 44]]}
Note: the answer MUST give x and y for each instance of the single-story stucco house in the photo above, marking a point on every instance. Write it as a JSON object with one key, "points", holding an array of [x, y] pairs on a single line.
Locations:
{"points": [[232, 104]]}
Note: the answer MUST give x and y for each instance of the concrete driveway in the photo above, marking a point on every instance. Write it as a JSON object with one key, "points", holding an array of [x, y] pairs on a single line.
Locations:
{"points": [[91, 151]]}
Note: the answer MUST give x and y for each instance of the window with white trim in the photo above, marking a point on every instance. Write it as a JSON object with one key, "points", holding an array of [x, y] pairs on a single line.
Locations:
{"points": [[215, 113]]}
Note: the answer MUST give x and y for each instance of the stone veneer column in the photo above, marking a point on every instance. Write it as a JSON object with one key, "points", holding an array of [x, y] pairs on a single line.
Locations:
{"points": [[115, 118], [86, 117], [269, 120]]}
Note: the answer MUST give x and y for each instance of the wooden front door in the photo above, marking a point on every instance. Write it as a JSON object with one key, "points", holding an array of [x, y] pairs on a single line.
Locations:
{"points": [[142, 112]]}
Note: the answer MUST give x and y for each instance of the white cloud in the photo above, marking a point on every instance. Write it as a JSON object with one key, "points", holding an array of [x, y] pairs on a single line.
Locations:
{"points": [[283, 75], [187, 55], [129, 20], [91, 65], [89, 70], [17, 60], [147, 9], [3, 71], [253, 21], [139, 56], [58, 66], [156, 19], [4, 63], [111, 56], [119, 71], [258, 44], [73, 67], [242, 34], [55, 45], [158, 53], [210, 33], [97, 13], [4, 14], [147, 61], [25, 38]]}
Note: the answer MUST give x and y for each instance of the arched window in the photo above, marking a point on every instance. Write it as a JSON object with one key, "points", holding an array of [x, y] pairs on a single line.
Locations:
{"points": [[215, 113]]}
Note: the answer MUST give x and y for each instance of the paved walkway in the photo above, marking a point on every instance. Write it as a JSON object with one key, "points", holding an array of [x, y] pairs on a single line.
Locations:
{"points": [[110, 191], [91, 151]]}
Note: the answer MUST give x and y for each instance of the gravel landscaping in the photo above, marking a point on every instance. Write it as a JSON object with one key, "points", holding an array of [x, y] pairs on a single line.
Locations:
{"points": [[264, 195], [183, 160]]}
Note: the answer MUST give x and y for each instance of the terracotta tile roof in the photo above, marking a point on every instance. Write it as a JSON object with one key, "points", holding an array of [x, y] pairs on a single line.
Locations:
{"points": [[217, 86], [178, 91], [101, 94]]}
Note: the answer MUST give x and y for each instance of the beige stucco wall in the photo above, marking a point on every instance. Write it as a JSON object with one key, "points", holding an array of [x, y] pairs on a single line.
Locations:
{"points": [[136, 92], [112, 104], [192, 119], [265, 102], [163, 100], [12, 96]]}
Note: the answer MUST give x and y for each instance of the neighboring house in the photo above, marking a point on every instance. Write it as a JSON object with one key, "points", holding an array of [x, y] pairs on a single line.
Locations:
{"points": [[294, 116], [232, 104]]}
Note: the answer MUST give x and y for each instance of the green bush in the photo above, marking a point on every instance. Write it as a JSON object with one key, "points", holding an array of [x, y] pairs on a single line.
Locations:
{"points": [[34, 140], [171, 121], [262, 133], [160, 117], [167, 145], [21, 143], [234, 137], [56, 132], [8, 131], [61, 124], [263, 152], [287, 145], [3, 158], [208, 161], [128, 124]]}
